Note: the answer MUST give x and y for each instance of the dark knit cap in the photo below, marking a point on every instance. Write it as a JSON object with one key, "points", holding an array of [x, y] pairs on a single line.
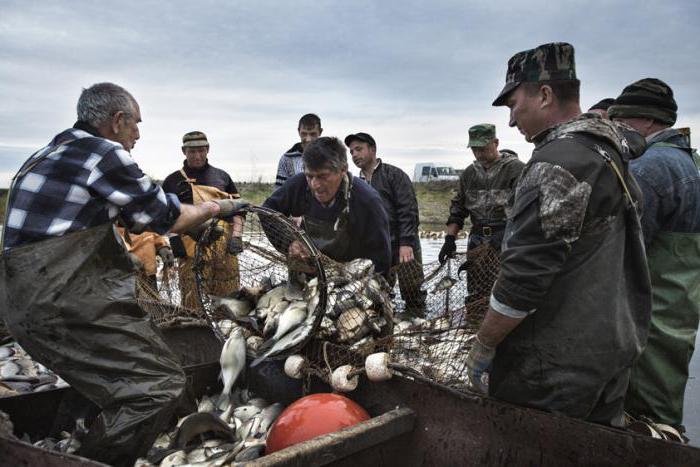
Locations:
{"points": [[646, 98], [603, 104]]}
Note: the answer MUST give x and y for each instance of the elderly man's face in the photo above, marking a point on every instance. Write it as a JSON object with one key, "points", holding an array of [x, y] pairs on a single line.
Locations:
{"points": [[127, 128], [324, 183], [196, 156]]}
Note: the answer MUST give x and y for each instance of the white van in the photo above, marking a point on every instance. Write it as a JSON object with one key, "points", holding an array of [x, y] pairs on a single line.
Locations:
{"points": [[429, 171]]}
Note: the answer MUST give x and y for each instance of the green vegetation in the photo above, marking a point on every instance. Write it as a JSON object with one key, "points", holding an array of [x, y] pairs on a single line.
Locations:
{"points": [[433, 199], [3, 201]]}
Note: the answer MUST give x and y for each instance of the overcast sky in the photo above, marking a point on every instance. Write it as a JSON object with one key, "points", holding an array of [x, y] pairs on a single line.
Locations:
{"points": [[413, 74]]}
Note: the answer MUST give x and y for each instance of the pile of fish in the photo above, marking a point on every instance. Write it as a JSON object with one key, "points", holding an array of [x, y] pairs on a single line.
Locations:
{"points": [[432, 347], [278, 319], [20, 374], [224, 430]]}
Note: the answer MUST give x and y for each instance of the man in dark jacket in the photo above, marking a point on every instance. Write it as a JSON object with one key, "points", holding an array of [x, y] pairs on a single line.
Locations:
{"points": [[344, 217], [569, 312], [668, 176], [400, 203]]}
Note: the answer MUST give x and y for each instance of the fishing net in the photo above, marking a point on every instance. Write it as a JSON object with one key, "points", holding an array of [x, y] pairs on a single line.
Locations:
{"points": [[457, 300], [264, 264]]}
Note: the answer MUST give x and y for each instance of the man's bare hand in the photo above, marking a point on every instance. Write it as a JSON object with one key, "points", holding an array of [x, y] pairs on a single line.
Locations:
{"points": [[298, 250], [405, 254]]}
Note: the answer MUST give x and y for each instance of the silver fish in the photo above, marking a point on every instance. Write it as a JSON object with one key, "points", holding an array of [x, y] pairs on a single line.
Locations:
{"points": [[9, 369], [232, 359], [246, 412], [250, 453], [352, 325], [176, 458], [271, 298], [268, 416], [6, 352], [206, 405], [444, 284], [359, 268], [290, 318], [238, 308], [198, 423]]}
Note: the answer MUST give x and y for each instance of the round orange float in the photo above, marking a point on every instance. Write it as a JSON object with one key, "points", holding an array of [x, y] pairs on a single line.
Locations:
{"points": [[312, 416]]}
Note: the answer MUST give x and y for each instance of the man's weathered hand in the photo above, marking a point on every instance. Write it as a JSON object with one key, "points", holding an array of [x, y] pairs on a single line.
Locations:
{"points": [[298, 250], [448, 249], [478, 361], [166, 254], [229, 207], [405, 254], [234, 246]]}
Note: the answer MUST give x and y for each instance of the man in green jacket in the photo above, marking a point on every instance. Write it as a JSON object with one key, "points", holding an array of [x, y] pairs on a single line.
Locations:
{"points": [[668, 176]]}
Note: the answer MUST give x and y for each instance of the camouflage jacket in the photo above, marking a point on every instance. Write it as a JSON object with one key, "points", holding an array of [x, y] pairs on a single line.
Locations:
{"points": [[484, 193], [573, 266]]}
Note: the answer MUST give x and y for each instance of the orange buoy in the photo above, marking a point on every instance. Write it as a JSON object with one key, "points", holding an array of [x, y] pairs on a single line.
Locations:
{"points": [[313, 416]]}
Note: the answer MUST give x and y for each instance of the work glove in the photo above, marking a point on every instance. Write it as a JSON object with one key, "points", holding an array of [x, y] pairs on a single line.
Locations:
{"points": [[166, 254], [234, 246], [230, 207], [198, 231], [448, 249], [478, 361]]}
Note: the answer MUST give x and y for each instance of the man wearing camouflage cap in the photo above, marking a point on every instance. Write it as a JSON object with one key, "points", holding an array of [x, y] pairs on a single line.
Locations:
{"points": [[569, 312], [484, 190], [668, 176]]}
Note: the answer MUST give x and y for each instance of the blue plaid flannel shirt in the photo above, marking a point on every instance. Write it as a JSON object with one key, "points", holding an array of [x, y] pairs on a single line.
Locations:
{"points": [[83, 181]]}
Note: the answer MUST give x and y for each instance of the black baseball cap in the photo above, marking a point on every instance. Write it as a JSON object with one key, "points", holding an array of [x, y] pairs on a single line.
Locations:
{"points": [[364, 137]]}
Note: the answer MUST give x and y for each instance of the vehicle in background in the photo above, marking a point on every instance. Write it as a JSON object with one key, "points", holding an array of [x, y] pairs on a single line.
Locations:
{"points": [[429, 172]]}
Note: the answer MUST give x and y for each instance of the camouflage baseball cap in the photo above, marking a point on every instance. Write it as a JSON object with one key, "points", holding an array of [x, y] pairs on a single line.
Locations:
{"points": [[547, 62], [481, 135], [194, 139]]}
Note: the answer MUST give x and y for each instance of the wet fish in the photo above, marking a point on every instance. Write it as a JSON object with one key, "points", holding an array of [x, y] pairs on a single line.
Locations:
{"points": [[9, 369], [246, 412], [290, 318], [6, 351], [199, 423], [352, 325], [268, 416], [206, 405], [289, 340], [271, 298], [295, 286], [232, 359], [236, 307], [174, 459], [445, 283], [250, 453], [359, 268]]}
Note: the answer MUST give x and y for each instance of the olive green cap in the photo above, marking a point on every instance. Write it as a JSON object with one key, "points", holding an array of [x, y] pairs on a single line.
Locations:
{"points": [[481, 135]]}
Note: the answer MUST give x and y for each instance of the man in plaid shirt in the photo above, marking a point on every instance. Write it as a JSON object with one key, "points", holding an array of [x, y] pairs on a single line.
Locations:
{"points": [[70, 285]]}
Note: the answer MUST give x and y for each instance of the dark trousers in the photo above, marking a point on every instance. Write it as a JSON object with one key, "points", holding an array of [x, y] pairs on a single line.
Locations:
{"points": [[410, 276]]}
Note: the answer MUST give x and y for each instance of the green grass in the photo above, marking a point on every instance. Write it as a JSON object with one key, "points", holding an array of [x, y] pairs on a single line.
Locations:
{"points": [[433, 200], [3, 201]]}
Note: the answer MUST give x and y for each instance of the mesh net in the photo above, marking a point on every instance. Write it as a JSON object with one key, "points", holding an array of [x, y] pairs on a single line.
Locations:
{"points": [[423, 316]]}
